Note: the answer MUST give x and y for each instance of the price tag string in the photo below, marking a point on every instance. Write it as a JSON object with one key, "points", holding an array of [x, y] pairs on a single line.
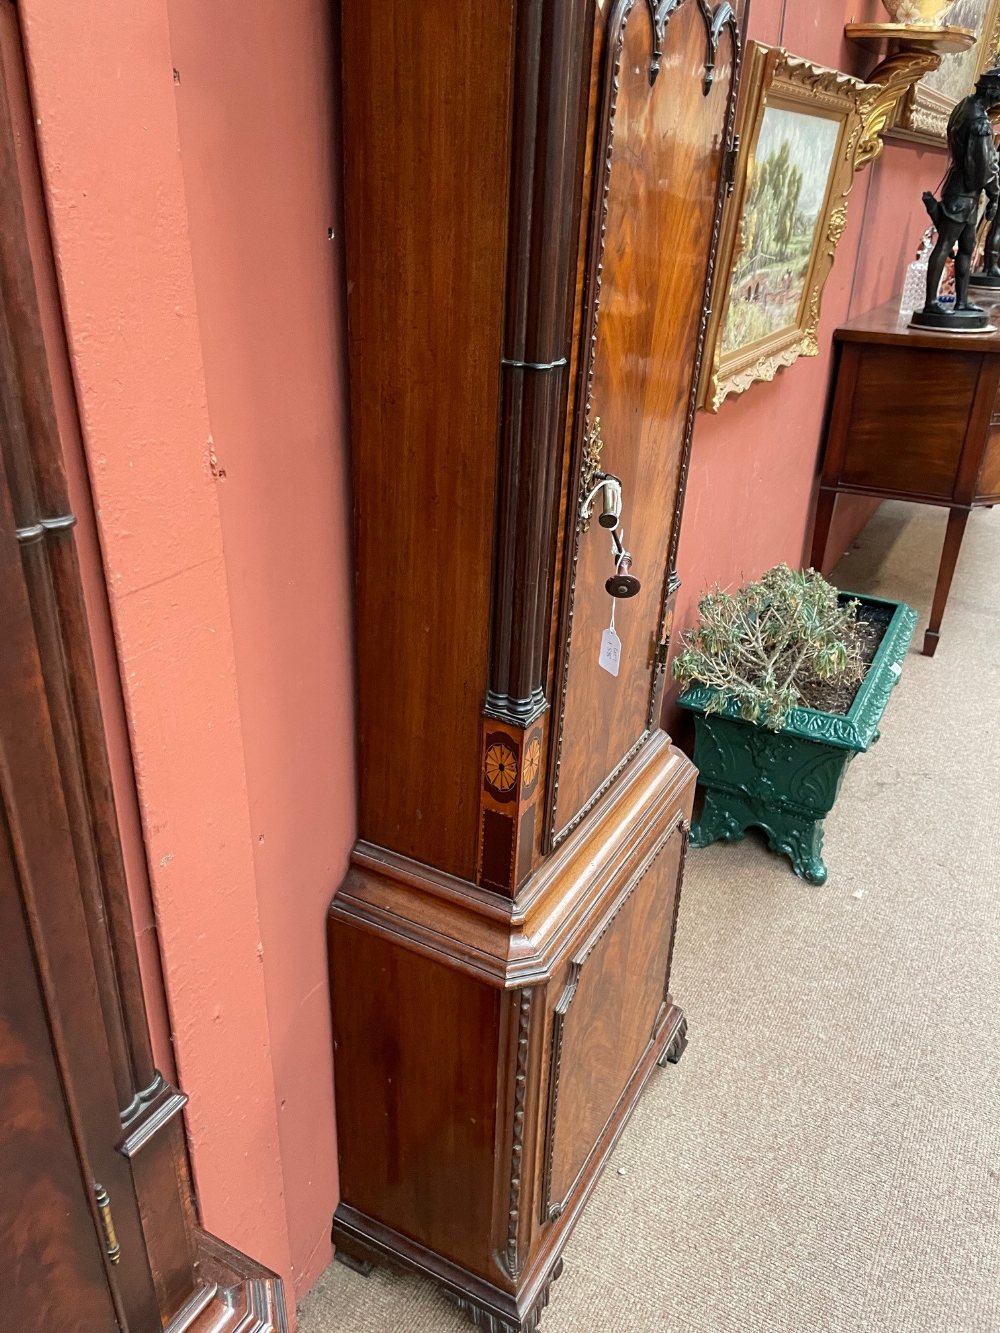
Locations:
{"points": [[620, 552]]}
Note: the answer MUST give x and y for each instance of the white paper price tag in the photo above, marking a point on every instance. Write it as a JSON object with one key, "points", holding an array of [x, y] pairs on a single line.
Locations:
{"points": [[611, 652]]}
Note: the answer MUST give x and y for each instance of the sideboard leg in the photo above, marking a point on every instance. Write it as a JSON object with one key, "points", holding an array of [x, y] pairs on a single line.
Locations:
{"points": [[957, 519], [821, 530]]}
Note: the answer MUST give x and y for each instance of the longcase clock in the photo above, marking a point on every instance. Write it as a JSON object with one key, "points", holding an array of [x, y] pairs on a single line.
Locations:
{"points": [[533, 193]]}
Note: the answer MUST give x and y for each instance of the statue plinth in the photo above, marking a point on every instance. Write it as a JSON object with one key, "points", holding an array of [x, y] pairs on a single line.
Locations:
{"points": [[943, 320]]}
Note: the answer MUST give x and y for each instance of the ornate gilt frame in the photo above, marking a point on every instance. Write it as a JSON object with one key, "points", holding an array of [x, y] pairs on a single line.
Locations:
{"points": [[775, 78], [922, 114]]}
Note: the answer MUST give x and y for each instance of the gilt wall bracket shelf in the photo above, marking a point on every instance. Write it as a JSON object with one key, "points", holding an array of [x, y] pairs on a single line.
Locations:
{"points": [[964, 50], [912, 52], [890, 81]]}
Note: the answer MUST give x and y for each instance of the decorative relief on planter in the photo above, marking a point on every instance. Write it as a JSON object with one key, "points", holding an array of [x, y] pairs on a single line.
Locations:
{"points": [[786, 782]]}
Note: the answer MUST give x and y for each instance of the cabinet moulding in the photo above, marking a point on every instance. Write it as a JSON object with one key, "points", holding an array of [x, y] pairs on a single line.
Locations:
{"points": [[152, 1110], [514, 944], [511, 1255]]}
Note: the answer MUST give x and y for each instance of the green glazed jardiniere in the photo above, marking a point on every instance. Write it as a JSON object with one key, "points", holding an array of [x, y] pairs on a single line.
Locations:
{"points": [[785, 782]]}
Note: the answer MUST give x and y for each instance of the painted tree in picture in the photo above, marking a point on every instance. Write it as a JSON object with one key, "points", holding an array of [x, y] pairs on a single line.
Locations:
{"points": [[790, 177]]}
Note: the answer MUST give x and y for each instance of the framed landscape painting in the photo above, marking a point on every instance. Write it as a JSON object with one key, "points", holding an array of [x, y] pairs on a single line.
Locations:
{"points": [[923, 113], [800, 129]]}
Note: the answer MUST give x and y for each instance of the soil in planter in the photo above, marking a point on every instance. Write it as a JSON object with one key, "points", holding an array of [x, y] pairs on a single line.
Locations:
{"points": [[831, 696]]}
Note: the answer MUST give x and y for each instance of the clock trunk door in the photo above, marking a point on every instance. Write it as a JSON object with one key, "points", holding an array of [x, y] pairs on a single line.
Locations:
{"points": [[660, 145]]}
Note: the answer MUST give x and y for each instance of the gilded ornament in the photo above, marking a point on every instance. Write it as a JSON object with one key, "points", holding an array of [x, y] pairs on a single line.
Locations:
{"points": [[592, 449], [766, 309]]}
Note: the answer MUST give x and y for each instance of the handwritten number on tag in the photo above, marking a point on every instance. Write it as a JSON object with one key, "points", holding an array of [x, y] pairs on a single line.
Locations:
{"points": [[611, 652]]}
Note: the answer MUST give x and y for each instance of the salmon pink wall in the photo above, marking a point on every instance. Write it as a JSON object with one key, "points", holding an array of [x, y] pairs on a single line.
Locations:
{"points": [[754, 466], [188, 159], [255, 90]]}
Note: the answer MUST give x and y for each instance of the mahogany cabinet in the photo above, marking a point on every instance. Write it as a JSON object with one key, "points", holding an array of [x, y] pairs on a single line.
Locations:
{"points": [[915, 416], [533, 193]]}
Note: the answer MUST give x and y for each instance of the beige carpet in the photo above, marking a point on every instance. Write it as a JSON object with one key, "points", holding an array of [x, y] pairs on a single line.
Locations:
{"points": [[827, 1154]]}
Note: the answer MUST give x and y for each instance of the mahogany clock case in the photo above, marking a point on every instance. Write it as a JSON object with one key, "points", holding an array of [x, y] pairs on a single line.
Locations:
{"points": [[529, 252]]}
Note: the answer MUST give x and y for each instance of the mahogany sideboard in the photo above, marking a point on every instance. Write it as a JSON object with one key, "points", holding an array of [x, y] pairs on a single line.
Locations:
{"points": [[533, 190], [915, 416]]}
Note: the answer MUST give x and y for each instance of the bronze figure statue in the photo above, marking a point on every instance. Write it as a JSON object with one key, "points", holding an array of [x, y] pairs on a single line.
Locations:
{"points": [[973, 171], [988, 278]]}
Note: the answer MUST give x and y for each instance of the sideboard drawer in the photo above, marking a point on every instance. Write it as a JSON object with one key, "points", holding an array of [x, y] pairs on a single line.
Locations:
{"points": [[907, 424]]}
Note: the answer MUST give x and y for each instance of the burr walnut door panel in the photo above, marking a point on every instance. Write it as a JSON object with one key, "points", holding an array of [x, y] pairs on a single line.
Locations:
{"points": [[659, 151], [607, 1014]]}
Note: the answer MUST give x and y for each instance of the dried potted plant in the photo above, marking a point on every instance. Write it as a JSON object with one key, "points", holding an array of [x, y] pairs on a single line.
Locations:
{"points": [[788, 679]]}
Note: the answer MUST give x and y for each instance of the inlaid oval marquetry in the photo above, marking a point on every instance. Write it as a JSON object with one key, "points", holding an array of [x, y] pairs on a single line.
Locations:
{"points": [[500, 767], [532, 763]]}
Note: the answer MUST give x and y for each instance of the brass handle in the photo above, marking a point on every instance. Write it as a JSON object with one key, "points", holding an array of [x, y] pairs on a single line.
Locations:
{"points": [[113, 1249]]}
